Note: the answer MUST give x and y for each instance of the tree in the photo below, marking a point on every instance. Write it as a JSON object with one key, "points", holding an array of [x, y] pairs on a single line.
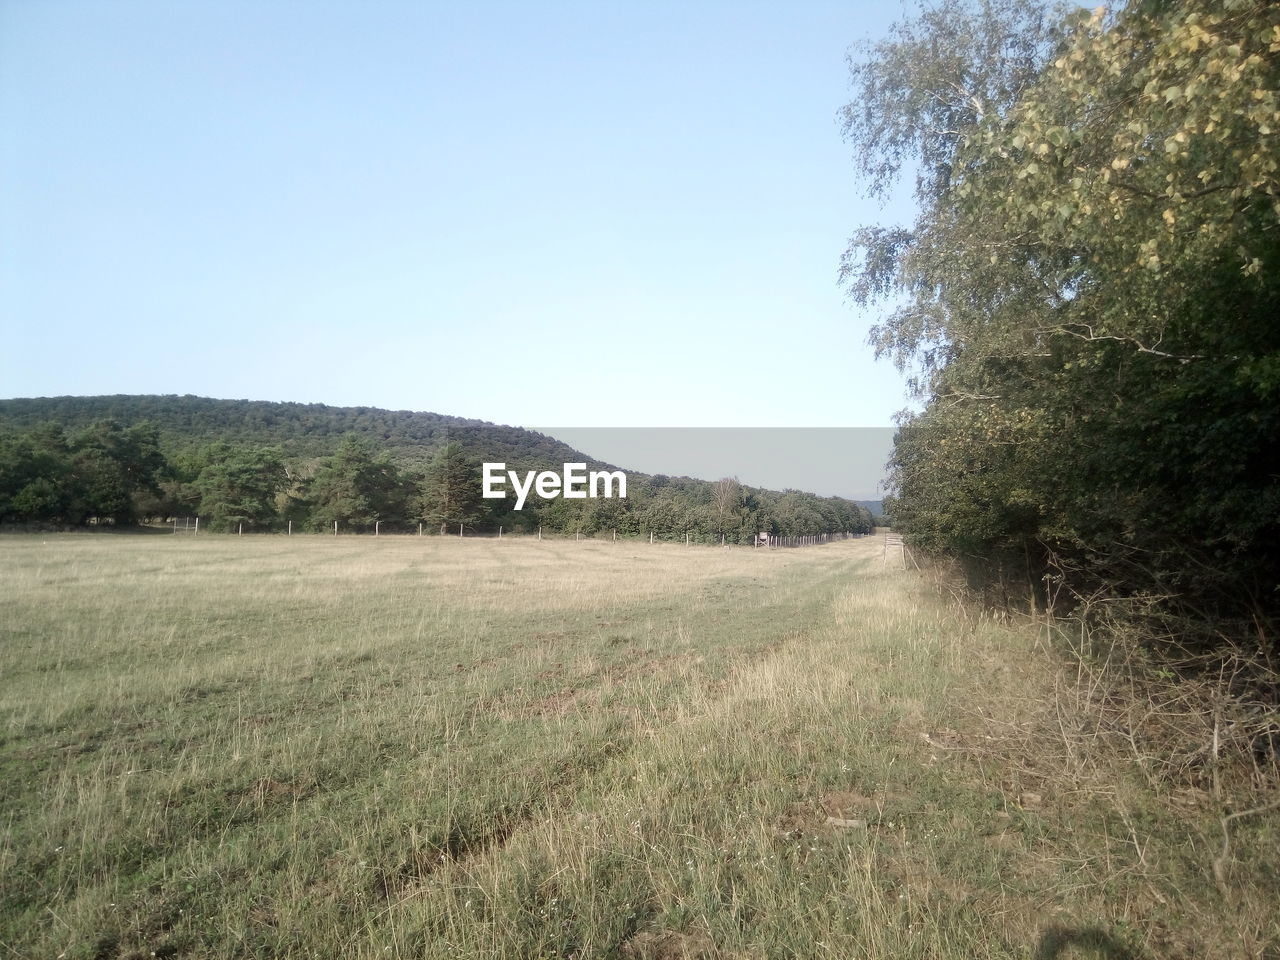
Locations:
{"points": [[110, 465], [449, 491], [1087, 296], [101, 471], [726, 498], [239, 486], [35, 476], [356, 487]]}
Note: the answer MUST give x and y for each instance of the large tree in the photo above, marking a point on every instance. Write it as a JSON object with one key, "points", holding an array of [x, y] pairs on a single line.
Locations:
{"points": [[450, 491], [357, 487], [726, 501], [1088, 296], [238, 486]]}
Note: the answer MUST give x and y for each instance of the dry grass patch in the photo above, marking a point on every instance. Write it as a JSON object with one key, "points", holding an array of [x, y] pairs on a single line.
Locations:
{"points": [[359, 748]]}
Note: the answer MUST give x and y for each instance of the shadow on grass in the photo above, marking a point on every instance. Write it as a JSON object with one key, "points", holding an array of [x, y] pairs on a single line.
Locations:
{"points": [[1086, 941]]}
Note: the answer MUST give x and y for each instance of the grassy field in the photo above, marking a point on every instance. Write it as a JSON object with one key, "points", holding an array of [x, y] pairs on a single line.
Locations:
{"points": [[348, 747]]}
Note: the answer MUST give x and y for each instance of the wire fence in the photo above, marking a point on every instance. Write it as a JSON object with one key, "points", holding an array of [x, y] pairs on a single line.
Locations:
{"points": [[190, 526]]}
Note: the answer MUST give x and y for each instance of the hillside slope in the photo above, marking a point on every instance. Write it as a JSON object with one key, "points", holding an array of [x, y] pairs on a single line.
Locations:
{"points": [[261, 466], [301, 430]]}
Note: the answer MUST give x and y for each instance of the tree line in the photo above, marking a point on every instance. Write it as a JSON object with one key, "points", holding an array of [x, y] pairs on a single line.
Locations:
{"points": [[300, 431], [110, 473], [1087, 300]]}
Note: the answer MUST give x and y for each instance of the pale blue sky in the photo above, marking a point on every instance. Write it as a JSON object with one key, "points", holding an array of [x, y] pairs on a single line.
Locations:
{"points": [[599, 214]]}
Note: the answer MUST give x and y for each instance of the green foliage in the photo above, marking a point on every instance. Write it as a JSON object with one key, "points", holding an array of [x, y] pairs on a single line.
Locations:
{"points": [[264, 464], [450, 492], [98, 473], [356, 487], [1088, 296], [301, 431], [239, 486]]}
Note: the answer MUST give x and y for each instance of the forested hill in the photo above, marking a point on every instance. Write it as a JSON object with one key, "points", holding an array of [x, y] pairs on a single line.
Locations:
{"points": [[260, 466], [299, 430]]}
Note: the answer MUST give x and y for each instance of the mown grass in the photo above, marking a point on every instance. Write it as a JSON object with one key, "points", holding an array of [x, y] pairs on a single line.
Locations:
{"points": [[404, 747]]}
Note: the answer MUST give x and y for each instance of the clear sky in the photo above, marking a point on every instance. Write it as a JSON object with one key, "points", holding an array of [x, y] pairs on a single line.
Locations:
{"points": [[597, 214]]}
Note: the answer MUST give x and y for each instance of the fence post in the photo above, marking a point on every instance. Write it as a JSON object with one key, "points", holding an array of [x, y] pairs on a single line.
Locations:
{"points": [[291, 528], [197, 529], [335, 528], [499, 531], [240, 530], [651, 536], [459, 531], [419, 528]]}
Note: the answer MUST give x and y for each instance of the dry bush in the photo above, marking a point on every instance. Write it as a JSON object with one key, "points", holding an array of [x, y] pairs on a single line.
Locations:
{"points": [[1192, 702], [1200, 718]]}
